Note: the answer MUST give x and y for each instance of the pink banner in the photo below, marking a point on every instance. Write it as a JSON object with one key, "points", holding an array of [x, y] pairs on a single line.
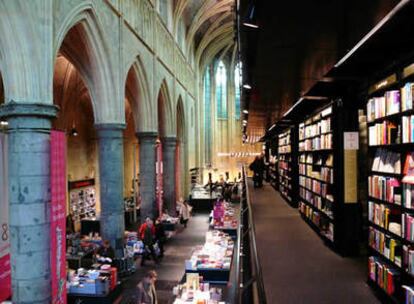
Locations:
{"points": [[58, 216], [5, 270]]}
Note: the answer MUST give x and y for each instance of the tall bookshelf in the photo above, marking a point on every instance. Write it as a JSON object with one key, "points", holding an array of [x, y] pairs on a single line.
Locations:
{"points": [[287, 169], [390, 120], [327, 175], [273, 163]]}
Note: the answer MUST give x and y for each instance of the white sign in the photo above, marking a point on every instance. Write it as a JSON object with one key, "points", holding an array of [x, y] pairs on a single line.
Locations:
{"points": [[351, 140]]}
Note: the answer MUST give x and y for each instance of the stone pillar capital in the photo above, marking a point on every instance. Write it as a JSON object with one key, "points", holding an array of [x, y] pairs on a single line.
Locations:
{"points": [[147, 135], [169, 140], [110, 130], [28, 115]]}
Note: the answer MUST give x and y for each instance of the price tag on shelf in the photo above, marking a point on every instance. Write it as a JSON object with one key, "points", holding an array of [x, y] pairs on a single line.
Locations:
{"points": [[351, 140]]}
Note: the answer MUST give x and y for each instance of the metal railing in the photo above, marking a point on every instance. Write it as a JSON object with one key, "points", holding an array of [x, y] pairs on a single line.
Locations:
{"points": [[248, 279]]}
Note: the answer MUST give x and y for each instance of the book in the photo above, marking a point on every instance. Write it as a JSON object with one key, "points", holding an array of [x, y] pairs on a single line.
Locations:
{"points": [[409, 169], [407, 92]]}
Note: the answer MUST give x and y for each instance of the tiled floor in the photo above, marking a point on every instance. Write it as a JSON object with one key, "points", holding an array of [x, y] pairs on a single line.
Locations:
{"points": [[297, 266], [171, 269]]}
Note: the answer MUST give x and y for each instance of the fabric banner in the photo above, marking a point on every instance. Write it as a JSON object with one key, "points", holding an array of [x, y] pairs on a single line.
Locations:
{"points": [[58, 216], [5, 270]]}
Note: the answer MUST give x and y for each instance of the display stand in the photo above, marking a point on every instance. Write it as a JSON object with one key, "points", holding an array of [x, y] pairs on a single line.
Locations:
{"points": [[327, 176], [287, 165], [82, 200]]}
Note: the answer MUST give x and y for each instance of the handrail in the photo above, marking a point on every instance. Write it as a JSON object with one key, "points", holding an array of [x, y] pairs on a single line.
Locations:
{"points": [[247, 264], [258, 268]]}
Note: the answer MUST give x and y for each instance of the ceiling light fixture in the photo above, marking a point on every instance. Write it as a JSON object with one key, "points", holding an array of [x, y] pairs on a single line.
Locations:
{"points": [[4, 123], [247, 86], [250, 20], [245, 112], [74, 132]]}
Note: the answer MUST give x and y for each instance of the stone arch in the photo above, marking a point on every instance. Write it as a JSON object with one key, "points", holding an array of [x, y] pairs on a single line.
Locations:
{"points": [[82, 40], [138, 94], [166, 119], [182, 149]]}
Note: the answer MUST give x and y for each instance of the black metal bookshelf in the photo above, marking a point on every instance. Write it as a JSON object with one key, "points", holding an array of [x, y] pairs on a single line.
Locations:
{"points": [[321, 177], [396, 245], [287, 167]]}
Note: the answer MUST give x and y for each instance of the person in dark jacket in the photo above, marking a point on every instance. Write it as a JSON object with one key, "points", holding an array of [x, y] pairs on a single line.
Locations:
{"points": [[146, 293], [160, 236], [106, 250], [258, 167]]}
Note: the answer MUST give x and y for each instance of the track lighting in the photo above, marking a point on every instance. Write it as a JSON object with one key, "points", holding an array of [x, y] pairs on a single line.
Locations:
{"points": [[250, 20]]}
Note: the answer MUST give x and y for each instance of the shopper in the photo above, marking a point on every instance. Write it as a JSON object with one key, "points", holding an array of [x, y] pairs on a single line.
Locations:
{"points": [[106, 250], [258, 167], [160, 236], [185, 212], [147, 235], [146, 293]]}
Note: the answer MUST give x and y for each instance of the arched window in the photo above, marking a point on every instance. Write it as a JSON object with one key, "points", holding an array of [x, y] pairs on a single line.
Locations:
{"points": [[207, 116], [237, 80], [221, 90]]}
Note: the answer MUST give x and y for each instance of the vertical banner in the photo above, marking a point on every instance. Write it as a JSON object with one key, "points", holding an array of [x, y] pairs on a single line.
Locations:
{"points": [[5, 269], [58, 216], [159, 181]]}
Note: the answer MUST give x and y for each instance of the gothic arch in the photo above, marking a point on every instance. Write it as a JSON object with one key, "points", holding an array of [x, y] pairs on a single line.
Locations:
{"points": [[166, 117], [89, 54], [138, 93]]}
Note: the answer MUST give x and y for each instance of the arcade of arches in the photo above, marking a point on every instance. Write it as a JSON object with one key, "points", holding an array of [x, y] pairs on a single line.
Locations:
{"points": [[131, 85]]}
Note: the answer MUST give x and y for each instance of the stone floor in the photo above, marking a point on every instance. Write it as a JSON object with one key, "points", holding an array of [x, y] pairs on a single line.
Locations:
{"points": [[171, 269]]}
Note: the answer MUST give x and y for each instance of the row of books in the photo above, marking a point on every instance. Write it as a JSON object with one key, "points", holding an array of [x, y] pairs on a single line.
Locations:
{"points": [[384, 133], [388, 104], [408, 226], [386, 245], [309, 196], [408, 258], [326, 227], [385, 217], [408, 196], [320, 160], [284, 149], [317, 143], [386, 277], [408, 129], [407, 93], [385, 188], [321, 127], [284, 138], [386, 161], [320, 173]]}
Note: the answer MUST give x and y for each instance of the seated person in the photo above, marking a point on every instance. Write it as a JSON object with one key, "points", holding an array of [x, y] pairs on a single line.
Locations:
{"points": [[105, 251]]}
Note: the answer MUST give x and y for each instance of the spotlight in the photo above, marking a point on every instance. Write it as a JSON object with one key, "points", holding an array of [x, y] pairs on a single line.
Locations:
{"points": [[4, 123], [74, 132], [247, 86], [245, 112]]}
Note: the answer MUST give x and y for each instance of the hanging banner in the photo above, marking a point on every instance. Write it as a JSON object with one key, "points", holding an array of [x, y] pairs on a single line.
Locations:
{"points": [[58, 216], [5, 270]]}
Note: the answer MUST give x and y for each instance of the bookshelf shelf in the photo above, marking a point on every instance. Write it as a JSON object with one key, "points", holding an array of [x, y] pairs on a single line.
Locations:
{"points": [[286, 165], [386, 231]]}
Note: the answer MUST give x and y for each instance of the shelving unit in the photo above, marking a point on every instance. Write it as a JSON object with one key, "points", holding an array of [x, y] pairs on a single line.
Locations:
{"points": [[82, 200], [390, 189], [325, 169], [273, 163], [287, 168]]}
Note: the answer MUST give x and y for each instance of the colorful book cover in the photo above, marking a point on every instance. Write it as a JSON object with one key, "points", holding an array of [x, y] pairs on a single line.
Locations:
{"points": [[409, 169]]}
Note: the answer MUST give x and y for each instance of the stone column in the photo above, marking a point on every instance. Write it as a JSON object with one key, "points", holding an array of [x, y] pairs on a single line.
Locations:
{"points": [[29, 198], [147, 176], [169, 145], [111, 178]]}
